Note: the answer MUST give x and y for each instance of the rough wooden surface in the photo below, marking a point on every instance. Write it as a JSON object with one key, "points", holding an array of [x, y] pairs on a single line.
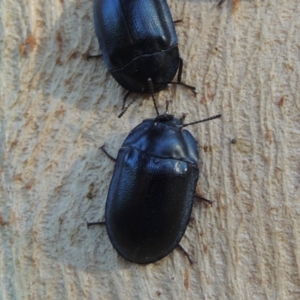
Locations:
{"points": [[57, 109]]}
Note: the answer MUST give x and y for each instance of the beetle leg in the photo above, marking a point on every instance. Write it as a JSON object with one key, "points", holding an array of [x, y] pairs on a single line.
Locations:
{"points": [[180, 69], [124, 100], [204, 199], [167, 106], [94, 223], [94, 56], [178, 21], [123, 107], [107, 154], [183, 117], [186, 254], [220, 3], [150, 86], [179, 82]]}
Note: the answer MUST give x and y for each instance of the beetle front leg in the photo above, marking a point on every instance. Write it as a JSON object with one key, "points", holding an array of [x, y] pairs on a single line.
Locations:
{"points": [[186, 254], [107, 154], [204, 199]]}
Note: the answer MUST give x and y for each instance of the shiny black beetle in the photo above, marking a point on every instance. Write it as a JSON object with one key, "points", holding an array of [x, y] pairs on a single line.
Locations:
{"points": [[138, 42], [152, 190]]}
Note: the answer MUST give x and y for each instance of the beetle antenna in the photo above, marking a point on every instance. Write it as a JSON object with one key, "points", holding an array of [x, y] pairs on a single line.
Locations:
{"points": [[208, 119], [150, 85]]}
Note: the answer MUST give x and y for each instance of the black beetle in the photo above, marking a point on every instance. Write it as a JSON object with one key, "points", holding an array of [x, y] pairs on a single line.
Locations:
{"points": [[138, 42], [152, 190]]}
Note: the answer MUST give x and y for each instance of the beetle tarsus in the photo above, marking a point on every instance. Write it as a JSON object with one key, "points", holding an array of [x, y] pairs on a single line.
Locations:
{"points": [[107, 154], [178, 21], [124, 100], [124, 109], [220, 3], [89, 224], [93, 56], [204, 199], [186, 254], [192, 88], [179, 79], [167, 106]]}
